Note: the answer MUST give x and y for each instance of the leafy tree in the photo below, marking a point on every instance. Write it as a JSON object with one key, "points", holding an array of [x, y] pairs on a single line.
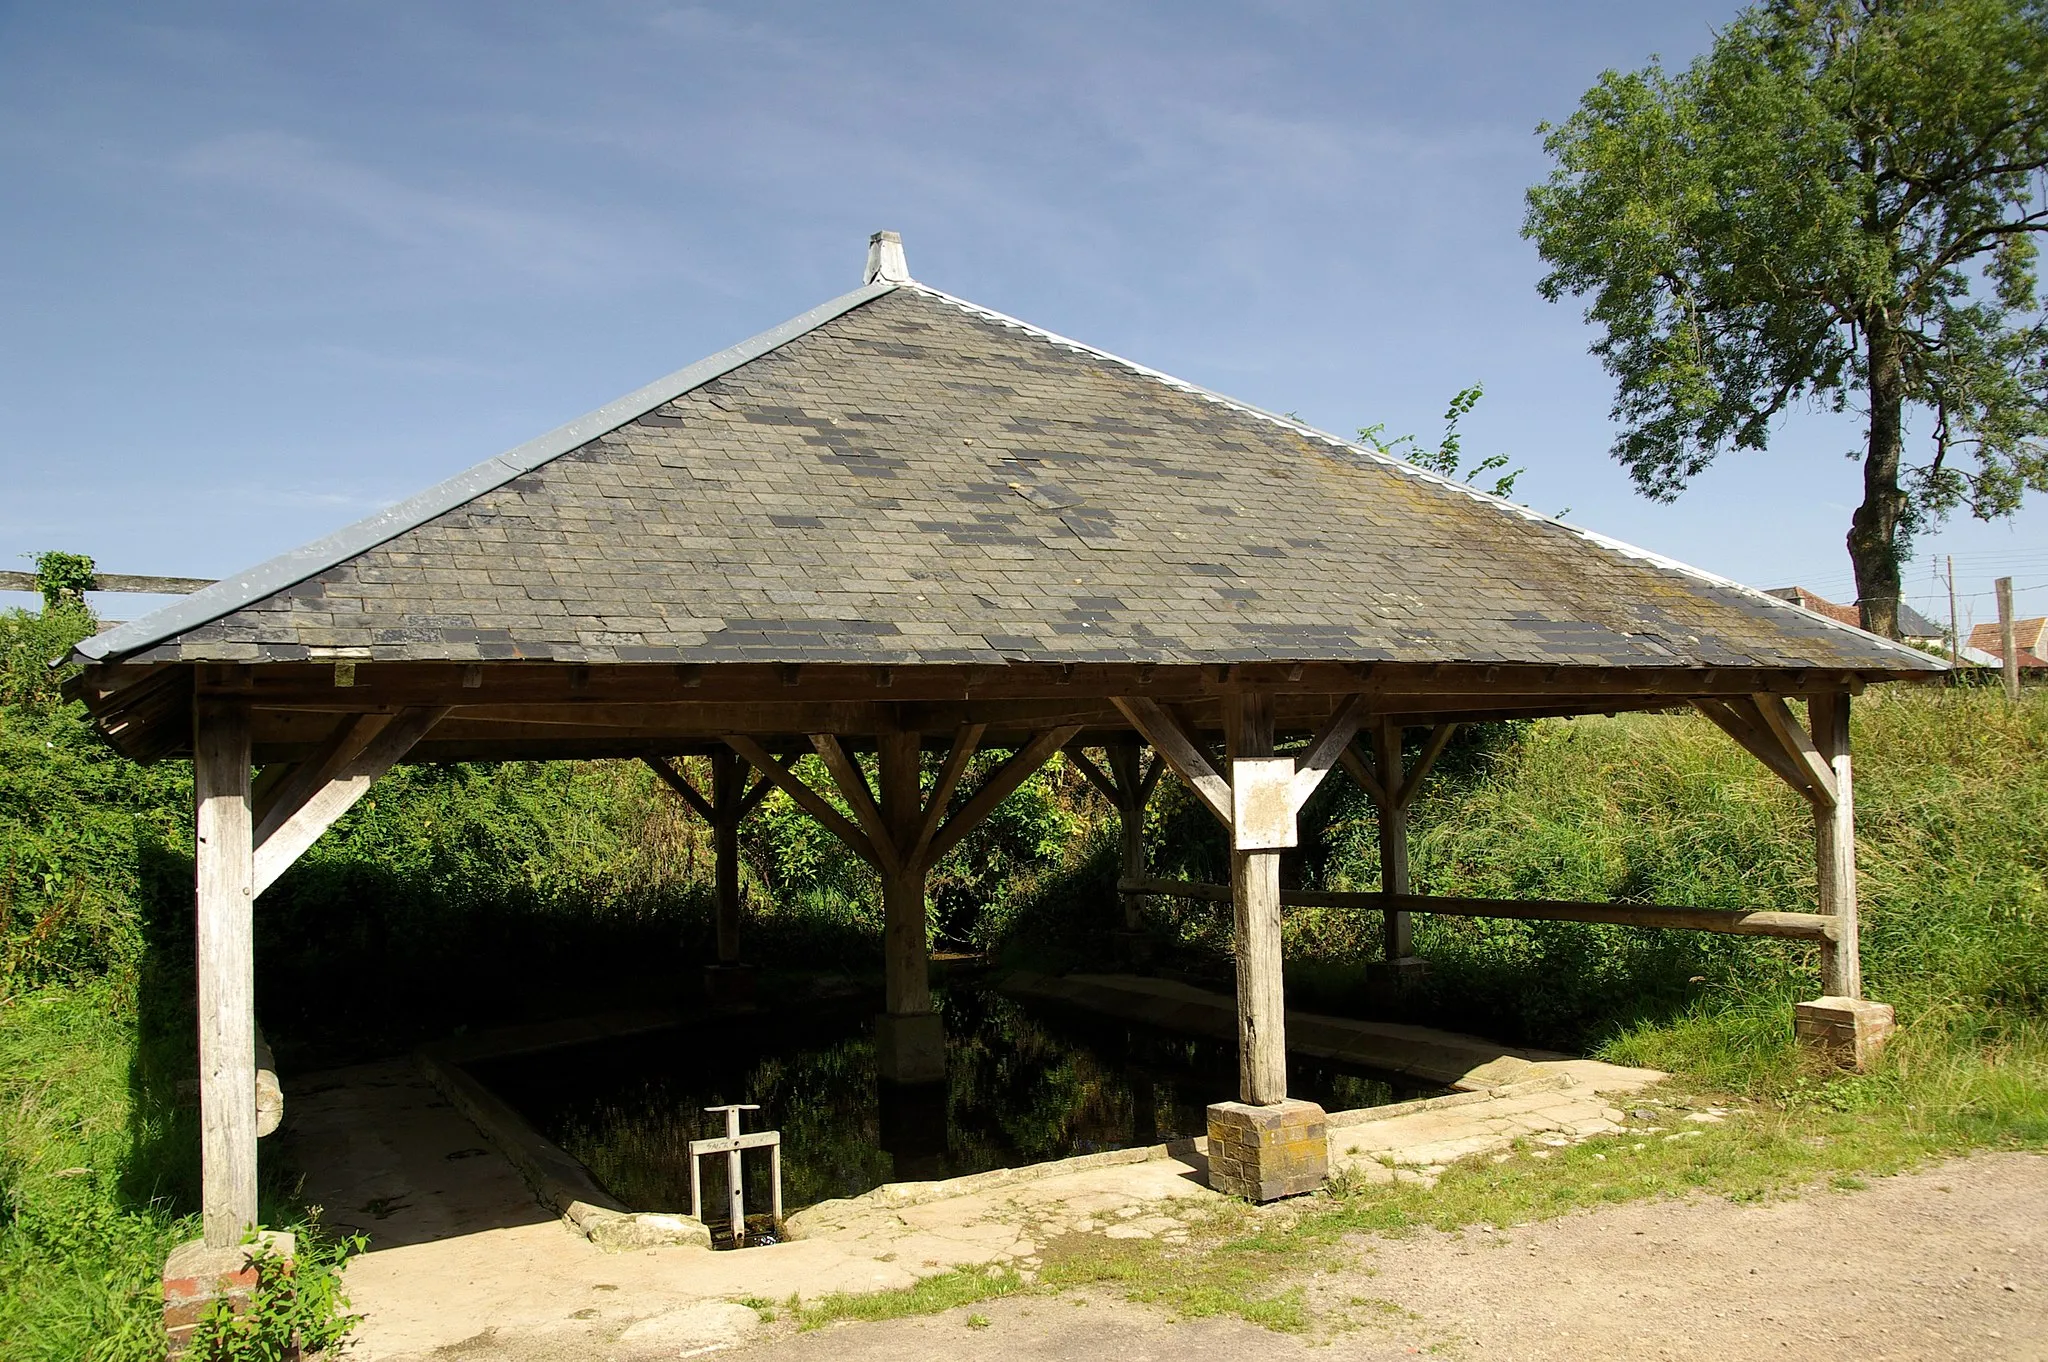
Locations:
{"points": [[1836, 205], [64, 578]]}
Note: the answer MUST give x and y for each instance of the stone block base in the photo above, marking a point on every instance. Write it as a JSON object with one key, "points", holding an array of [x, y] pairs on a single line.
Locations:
{"points": [[1847, 1031], [195, 1276], [910, 1047], [729, 987], [1397, 975], [1265, 1153]]}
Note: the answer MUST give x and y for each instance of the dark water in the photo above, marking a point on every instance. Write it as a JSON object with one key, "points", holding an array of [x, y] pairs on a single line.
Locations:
{"points": [[1025, 1082]]}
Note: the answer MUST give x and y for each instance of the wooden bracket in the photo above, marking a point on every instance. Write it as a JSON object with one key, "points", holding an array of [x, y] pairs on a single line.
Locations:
{"points": [[778, 773], [1326, 749], [966, 742], [1000, 785], [1179, 751], [344, 770], [680, 782], [860, 797]]}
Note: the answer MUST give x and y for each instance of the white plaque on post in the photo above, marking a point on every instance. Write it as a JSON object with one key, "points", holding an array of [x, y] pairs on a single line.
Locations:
{"points": [[1262, 803]]}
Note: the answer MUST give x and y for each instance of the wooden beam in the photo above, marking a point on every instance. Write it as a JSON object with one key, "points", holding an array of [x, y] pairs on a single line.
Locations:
{"points": [[1393, 837], [1756, 739], [1151, 780], [276, 852], [860, 797], [1358, 765], [1099, 778], [1778, 718], [966, 742], [807, 799], [115, 581], [752, 799], [1730, 921], [1432, 748], [224, 859], [679, 782], [1327, 748], [1179, 751], [309, 777], [1000, 785]]}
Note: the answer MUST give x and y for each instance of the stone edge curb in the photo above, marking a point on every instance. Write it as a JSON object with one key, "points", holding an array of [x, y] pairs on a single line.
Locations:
{"points": [[561, 1183]]}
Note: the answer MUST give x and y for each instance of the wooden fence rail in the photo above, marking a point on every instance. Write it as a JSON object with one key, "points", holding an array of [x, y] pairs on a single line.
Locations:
{"points": [[115, 581], [1735, 921]]}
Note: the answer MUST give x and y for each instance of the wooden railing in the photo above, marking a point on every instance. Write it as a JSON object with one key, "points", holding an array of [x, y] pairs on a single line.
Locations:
{"points": [[1735, 921]]}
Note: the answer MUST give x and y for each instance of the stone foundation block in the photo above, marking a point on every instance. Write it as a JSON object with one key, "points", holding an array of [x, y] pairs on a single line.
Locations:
{"points": [[1848, 1031], [910, 1047], [1265, 1153], [1396, 976], [195, 1276]]}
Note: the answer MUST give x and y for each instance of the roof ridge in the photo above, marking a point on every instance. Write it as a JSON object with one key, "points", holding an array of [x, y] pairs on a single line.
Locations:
{"points": [[290, 568], [1402, 466]]}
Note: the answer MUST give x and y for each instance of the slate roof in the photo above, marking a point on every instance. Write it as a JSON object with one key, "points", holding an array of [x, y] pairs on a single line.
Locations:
{"points": [[901, 477]]}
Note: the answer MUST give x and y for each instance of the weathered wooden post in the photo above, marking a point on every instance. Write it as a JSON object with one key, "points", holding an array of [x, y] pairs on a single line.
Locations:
{"points": [[1131, 797], [1841, 1023], [224, 848], [225, 862], [1400, 958], [910, 1038], [728, 788], [2008, 641]]}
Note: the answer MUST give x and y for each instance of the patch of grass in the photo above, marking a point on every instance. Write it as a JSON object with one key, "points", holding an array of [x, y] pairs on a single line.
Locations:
{"points": [[929, 1296]]}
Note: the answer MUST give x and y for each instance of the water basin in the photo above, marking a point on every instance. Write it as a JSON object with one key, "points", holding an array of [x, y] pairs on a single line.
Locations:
{"points": [[1026, 1081]]}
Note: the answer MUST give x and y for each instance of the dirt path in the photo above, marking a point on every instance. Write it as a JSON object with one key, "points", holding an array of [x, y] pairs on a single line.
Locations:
{"points": [[1947, 1263]]}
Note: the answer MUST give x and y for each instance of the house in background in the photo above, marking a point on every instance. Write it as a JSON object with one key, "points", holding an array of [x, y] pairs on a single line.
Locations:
{"points": [[1914, 627], [2030, 636]]}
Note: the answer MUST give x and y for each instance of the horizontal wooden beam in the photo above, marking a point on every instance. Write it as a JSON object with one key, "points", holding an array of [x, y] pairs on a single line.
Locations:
{"points": [[115, 581], [1386, 685], [1732, 921]]}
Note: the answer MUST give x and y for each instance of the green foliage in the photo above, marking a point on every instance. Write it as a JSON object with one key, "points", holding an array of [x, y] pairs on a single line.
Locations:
{"points": [[1835, 203], [1449, 452], [297, 1305], [63, 578], [81, 830]]}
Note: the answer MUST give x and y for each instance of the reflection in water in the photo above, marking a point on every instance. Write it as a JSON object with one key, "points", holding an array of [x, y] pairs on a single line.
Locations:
{"points": [[1024, 1083]]}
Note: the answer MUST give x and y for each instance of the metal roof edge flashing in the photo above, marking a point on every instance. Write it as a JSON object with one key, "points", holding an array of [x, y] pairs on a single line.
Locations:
{"points": [[1922, 661], [290, 568]]}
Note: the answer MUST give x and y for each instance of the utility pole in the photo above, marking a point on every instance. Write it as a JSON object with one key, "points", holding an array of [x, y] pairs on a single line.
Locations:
{"points": [[1955, 637], [2007, 641]]}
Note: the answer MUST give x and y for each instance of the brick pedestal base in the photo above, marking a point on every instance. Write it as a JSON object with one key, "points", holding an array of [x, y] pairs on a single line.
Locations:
{"points": [[910, 1047], [1265, 1153], [1848, 1031], [195, 1276]]}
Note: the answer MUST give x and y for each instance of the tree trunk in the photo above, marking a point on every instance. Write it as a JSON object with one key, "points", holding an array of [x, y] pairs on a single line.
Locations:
{"points": [[1874, 529]]}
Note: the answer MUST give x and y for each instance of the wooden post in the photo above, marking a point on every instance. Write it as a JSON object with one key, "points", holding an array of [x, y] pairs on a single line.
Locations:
{"points": [[226, 874], [2008, 643], [907, 964], [1130, 808], [1255, 898], [1841, 964], [1393, 812], [727, 790]]}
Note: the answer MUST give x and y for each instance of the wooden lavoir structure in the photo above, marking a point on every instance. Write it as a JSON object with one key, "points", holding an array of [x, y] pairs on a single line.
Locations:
{"points": [[902, 524]]}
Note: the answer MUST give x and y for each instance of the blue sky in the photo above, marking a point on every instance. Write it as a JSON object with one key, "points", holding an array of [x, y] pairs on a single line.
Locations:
{"points": [[264, 267]]}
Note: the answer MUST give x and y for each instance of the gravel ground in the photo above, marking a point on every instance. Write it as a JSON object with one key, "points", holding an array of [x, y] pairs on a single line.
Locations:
{"points": [[1950, 1262]]}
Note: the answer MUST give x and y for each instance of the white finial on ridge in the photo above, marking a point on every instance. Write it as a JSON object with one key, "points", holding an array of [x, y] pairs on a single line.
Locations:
{"points": [[885, 260]]}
